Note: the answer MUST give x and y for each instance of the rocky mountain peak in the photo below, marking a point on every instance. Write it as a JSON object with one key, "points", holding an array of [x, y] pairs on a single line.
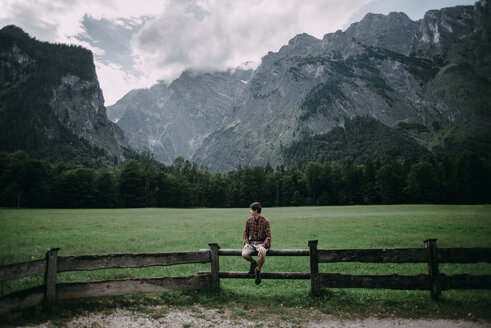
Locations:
{"points": [[393, 31], [299, 45], [302, 40]]}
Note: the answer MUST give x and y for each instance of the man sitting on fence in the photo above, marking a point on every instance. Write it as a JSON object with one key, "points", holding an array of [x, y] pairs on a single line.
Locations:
{"points": [[257, 238]]}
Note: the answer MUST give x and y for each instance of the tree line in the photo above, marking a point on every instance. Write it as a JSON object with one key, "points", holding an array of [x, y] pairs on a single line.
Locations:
{"points": [[142, 182]]}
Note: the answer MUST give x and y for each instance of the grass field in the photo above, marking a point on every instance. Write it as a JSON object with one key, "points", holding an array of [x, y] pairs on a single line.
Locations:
{"points": [[26, 234]]}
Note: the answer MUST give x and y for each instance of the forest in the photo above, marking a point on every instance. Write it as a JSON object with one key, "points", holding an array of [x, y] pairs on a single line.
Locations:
{"points": [[142, 182]]}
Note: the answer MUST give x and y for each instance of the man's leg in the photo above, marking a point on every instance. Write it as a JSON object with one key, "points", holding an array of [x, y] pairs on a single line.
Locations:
{"points": [[262, 258], [246, 254]]}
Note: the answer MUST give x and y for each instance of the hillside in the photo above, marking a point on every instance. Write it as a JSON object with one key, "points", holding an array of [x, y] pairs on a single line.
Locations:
{"points": [[51, 105]]}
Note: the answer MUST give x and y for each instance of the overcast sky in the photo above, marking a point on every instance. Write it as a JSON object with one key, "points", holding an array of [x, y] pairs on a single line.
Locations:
{"points": [[137, 43]]}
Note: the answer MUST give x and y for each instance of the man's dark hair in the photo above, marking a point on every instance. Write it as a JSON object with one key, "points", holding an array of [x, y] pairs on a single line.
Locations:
{"points": [[256, 206]]}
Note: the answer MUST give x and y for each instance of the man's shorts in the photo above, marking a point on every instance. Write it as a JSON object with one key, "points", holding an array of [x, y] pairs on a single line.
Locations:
{"points": [[254, 249]]}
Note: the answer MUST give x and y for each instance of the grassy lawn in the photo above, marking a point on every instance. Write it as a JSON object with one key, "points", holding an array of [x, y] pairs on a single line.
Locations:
{"points": [[27, 234]]}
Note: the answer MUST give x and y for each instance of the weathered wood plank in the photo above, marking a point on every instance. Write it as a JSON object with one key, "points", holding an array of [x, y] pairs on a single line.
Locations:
{"points": [[131, 286], [20, 270], [135, 260], [215, 267], [50, 276], [314, 268], [335, 280], [264, 275], [465, 281], [464, 255], [271, 252], [398, 255], [22, 299], [433, 270]]}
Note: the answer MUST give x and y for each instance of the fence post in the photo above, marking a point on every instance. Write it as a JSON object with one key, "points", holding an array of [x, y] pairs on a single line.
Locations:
{"points": [[314, 269], [50, 275], [435, 289], [215, 267]]}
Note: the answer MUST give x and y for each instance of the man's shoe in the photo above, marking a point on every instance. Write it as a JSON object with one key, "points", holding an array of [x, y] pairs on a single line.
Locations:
{"points": [[252, 269], [257, 278]]}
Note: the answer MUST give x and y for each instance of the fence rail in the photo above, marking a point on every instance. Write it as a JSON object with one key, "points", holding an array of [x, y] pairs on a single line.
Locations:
{"points": [[393, 281], [401, 255], [463, 255], [265, 275], [271, 252], [112, 261], [50, 291], [21, 270]]}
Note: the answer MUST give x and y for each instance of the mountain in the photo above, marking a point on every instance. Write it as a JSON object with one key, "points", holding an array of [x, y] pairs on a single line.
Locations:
{"points": [[385, 88], [173, 120], [428, 81], [51, 105]]}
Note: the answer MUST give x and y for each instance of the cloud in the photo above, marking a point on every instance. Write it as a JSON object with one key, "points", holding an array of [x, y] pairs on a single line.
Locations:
{"points": [[59, 20], [221, 34], [116, 81]]}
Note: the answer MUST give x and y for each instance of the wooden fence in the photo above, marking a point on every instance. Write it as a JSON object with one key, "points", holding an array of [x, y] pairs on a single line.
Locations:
{"points": [[434, 281], [51, 291]]}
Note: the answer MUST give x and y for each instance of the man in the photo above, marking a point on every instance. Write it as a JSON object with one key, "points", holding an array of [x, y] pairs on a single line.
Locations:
{"points": [[257, 238]]}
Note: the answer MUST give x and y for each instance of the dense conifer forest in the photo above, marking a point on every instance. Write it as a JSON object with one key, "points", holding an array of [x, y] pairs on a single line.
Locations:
{"points": [[142, 182]]}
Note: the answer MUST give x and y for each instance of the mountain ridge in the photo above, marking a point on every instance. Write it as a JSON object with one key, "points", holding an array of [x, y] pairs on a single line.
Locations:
{"points": [[341, 77]]}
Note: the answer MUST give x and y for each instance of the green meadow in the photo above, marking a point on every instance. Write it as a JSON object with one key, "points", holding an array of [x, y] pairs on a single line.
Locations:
{"points": [[26, 234]]}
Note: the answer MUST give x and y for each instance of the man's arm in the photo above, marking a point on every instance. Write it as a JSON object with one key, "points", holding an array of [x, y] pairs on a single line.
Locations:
{"points": [[267, 241], [245, 234]]}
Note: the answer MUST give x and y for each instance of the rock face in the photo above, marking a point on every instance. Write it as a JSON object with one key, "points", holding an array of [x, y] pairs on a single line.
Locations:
{"points": [[427, 80], [395, 32], [51, 104], [173, 120]]}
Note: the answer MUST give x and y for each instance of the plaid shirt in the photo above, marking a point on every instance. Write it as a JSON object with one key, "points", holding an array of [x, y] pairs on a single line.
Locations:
{"points": [[257, 232]]}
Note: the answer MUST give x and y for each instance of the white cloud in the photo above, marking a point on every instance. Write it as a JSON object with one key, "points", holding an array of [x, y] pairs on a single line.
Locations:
{"points": [[221, 34], [117, 82], [58, 20]]}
